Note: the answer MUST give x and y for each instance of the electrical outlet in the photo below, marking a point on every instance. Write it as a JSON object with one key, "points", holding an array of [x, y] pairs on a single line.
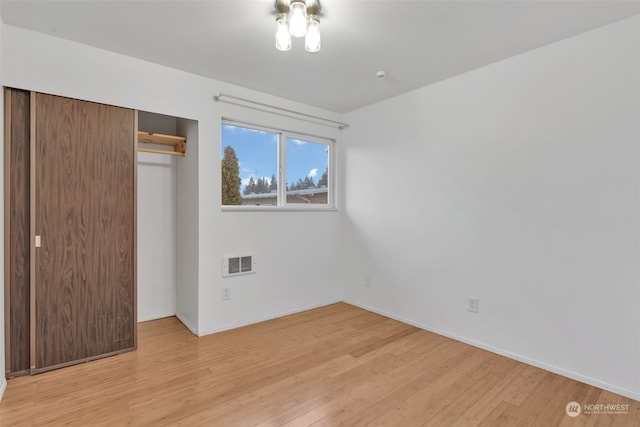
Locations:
{"points": [[472, 304], [368, 281], [226, 294]]}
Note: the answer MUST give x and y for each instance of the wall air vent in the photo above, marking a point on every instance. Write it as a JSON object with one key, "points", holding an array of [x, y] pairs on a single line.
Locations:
{"points": [[237, 265]]}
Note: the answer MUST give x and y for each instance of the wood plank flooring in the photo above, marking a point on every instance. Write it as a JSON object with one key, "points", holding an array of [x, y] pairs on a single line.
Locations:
{"points": [[333, 366]]}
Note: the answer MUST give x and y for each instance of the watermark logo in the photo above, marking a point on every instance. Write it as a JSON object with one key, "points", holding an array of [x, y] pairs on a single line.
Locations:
{"points": [[573, 409], [606, 409]]}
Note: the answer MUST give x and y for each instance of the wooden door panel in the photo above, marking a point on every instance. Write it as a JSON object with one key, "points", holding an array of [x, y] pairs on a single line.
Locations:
{"points": [[18, 222], [84, 211]]}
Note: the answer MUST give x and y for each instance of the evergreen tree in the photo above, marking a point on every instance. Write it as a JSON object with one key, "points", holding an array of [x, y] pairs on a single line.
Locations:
{"points": [[261, 186], [250, 187], [324, 179], [308, 183], [230, 178]]}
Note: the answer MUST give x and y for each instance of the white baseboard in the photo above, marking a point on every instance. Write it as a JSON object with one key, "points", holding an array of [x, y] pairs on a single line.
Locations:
{"points": [[188, 325], [3, 387], [265, 318], [520, 358], [156, 317]]}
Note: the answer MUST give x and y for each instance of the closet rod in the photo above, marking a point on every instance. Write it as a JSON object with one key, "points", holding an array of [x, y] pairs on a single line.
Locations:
{"points": [[322, 120], [150, 150]]}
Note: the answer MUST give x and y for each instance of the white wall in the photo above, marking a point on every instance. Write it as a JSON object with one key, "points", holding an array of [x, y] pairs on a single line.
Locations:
{"points": [[518, 184], [51, 65], [188, 240], [156, 236]]}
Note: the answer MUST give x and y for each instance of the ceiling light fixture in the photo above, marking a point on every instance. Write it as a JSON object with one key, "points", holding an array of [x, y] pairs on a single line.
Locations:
{"points": [[298, 18], [283, 38]]}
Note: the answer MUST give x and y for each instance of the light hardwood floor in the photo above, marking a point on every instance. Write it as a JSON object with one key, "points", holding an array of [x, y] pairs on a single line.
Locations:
{"points": [[333, 366]]}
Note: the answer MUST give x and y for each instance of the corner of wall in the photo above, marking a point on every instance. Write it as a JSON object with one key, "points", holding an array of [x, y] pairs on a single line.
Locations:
{"points": [[493, 198], [187, 277]]}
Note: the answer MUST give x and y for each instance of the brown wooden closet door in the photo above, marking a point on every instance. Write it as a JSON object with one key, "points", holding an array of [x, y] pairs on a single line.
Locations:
{"points": [[17, 244], [85, 214]]}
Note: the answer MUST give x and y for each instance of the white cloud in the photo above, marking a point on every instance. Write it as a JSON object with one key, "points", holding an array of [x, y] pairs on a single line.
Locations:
{"points": [[298, 142], [313, 173]]}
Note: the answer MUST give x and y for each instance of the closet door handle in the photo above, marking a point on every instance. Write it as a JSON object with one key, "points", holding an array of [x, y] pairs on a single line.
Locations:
{"points": [[38, 241]]}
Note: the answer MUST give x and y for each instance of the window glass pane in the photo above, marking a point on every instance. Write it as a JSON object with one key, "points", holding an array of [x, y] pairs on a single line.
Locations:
{"points": [[249, 166], [307, 171]]}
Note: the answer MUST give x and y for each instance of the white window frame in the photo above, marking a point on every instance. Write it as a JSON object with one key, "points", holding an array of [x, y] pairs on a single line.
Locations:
{"points": [[281, 202]]}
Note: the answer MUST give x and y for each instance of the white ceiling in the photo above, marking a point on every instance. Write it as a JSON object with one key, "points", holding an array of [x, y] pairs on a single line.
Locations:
{"points": [[416, 42]]}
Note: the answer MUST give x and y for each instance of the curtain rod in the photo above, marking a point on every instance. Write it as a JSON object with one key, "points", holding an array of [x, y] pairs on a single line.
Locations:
{"points": [[236, 122], [290, 113]]}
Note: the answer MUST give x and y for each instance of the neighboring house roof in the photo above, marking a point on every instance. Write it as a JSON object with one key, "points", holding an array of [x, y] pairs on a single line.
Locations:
{"points": [[306, 191]]}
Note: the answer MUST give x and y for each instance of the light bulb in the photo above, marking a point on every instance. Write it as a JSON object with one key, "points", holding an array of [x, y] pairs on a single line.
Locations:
{"points": [[312, 39], [283, 39], [298, 18]]}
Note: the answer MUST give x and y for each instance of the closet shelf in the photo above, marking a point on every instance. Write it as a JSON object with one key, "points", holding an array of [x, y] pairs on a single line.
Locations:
{"points": [[178, 143]]}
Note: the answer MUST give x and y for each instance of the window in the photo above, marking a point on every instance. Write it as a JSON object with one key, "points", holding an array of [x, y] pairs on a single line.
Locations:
{"points": [[265, 167], [307, 172], [249, 166]]}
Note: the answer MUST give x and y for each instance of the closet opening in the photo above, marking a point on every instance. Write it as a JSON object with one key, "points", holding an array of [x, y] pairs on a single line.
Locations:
{"points": [[167, 198]]}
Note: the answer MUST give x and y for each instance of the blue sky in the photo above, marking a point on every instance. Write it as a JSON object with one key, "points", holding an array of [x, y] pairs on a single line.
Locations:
{"points": [[257, 153]]}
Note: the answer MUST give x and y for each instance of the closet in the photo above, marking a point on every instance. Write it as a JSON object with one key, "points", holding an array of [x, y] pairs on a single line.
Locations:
{"points": [[70, 227], [157, 208]]}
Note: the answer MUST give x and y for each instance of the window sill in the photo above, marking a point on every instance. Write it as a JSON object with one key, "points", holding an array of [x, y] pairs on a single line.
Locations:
{"points": [[278, 209]]}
